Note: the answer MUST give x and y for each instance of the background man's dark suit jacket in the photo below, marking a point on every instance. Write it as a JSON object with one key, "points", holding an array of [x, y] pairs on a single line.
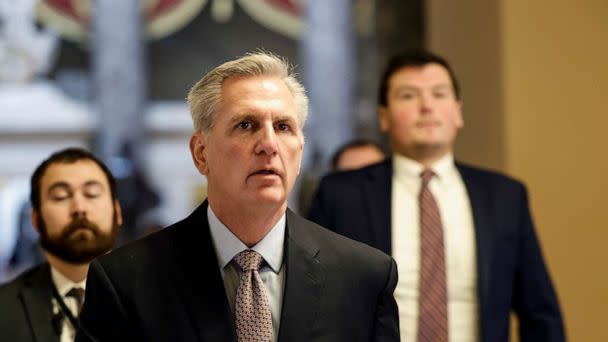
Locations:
{"points": [[511, 271], [26, 307], [168, 287]]}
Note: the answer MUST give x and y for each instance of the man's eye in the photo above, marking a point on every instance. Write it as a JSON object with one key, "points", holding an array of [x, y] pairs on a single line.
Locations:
{"points": [[440, 95], [244, 125], [405, 96], [283, 126], [92, 194], [60, 196], [92, 190]]}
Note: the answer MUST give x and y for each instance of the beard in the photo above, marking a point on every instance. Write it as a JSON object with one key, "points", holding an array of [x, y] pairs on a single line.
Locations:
{"points": [[75, 247]]}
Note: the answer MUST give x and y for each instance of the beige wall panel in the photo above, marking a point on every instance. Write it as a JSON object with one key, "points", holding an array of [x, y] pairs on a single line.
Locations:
{"points": [[535, 77], [556, 90]]}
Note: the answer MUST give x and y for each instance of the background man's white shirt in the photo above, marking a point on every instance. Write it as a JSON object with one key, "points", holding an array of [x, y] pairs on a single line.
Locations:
{"points": [[459, 239]]}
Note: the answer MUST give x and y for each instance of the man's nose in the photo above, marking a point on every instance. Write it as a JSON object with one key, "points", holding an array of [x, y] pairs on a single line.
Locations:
{"points": [[78, 205], [425, 103], [267, 141]]}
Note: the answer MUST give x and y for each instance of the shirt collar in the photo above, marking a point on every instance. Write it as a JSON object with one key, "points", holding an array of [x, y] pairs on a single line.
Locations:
{"points": [[63, 284], [443, 168], [227, 245]]}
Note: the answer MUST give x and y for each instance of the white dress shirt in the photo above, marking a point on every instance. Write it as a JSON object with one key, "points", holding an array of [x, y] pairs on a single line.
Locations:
{"points": [[63, 286], [272, 272], [452, 199]]}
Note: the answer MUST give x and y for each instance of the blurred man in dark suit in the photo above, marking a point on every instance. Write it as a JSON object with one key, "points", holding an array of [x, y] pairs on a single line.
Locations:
{"points": [[74, 208], [356, 154], [463, 237], [242, 266]]}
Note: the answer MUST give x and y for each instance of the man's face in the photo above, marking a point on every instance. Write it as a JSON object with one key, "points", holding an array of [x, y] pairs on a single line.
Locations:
{"points": [[78, 220], [422, 115], [251, 156], [358, 157]]}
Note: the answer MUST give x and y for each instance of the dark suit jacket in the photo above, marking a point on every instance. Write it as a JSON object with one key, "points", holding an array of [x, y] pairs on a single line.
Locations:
{"points": [[26, 307], [168, 287], [511, 271]]}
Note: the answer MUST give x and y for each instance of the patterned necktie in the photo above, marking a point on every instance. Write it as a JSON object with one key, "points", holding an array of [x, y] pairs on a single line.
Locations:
{"points": [[78, 294], [433, 311], [252, 309]]}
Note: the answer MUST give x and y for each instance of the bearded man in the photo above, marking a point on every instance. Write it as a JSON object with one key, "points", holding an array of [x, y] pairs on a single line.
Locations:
{"points": [[77, 214]]}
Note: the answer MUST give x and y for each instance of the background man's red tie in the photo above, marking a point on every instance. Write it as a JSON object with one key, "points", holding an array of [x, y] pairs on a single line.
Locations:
{"points": [[433, 310]]}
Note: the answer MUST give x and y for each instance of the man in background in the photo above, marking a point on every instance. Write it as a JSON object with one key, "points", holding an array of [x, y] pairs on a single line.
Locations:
{"points": [[463, 237], [243, 266], [352, 155], [75, 211], [356, 154]]}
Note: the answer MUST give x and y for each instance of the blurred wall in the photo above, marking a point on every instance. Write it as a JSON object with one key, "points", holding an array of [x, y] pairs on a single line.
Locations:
{"points": [[535, 79], [470, 40]]}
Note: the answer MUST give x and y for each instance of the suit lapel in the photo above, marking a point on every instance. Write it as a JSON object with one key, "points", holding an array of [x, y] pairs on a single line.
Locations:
{"points": [[377, 191], [480, 205], [200, 281], [36, 298], [303, 282]]}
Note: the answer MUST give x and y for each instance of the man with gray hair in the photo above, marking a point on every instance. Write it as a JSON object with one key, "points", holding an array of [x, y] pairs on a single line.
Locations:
{"points": [[242, 266]]}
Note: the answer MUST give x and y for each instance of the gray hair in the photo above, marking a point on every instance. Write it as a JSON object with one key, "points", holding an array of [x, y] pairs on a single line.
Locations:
{"points": [[205, 95]]}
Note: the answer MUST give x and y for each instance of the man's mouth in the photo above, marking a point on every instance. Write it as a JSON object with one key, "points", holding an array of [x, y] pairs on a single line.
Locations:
{"points": [[265, 172], [427, 124], [80, 234], [84, 228], [79, 225]]}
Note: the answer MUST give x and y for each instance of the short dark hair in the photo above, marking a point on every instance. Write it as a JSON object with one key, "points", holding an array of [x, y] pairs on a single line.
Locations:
{"points": [[66, 156], [352, 144], [412, 59]]}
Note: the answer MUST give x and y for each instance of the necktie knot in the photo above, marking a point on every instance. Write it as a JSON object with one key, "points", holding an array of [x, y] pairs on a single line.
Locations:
{"points": [[426, 176], [78, 294], [248, 260]]}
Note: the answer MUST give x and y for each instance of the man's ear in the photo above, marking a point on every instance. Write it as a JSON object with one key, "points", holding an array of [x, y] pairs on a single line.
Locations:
{"points": [[383, 118], [197, 150], [118, 212], [34, 215], [459, 119]]}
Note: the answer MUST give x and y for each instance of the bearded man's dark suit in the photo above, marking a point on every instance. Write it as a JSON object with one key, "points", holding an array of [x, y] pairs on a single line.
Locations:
{"points": [[511, 271], [26, 307], [168, 287]]}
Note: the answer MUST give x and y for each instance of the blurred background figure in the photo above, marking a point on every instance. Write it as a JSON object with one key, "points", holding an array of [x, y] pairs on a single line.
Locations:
{"points": [[76, 213], [350, 156], [357, 154], [463, 237]]}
